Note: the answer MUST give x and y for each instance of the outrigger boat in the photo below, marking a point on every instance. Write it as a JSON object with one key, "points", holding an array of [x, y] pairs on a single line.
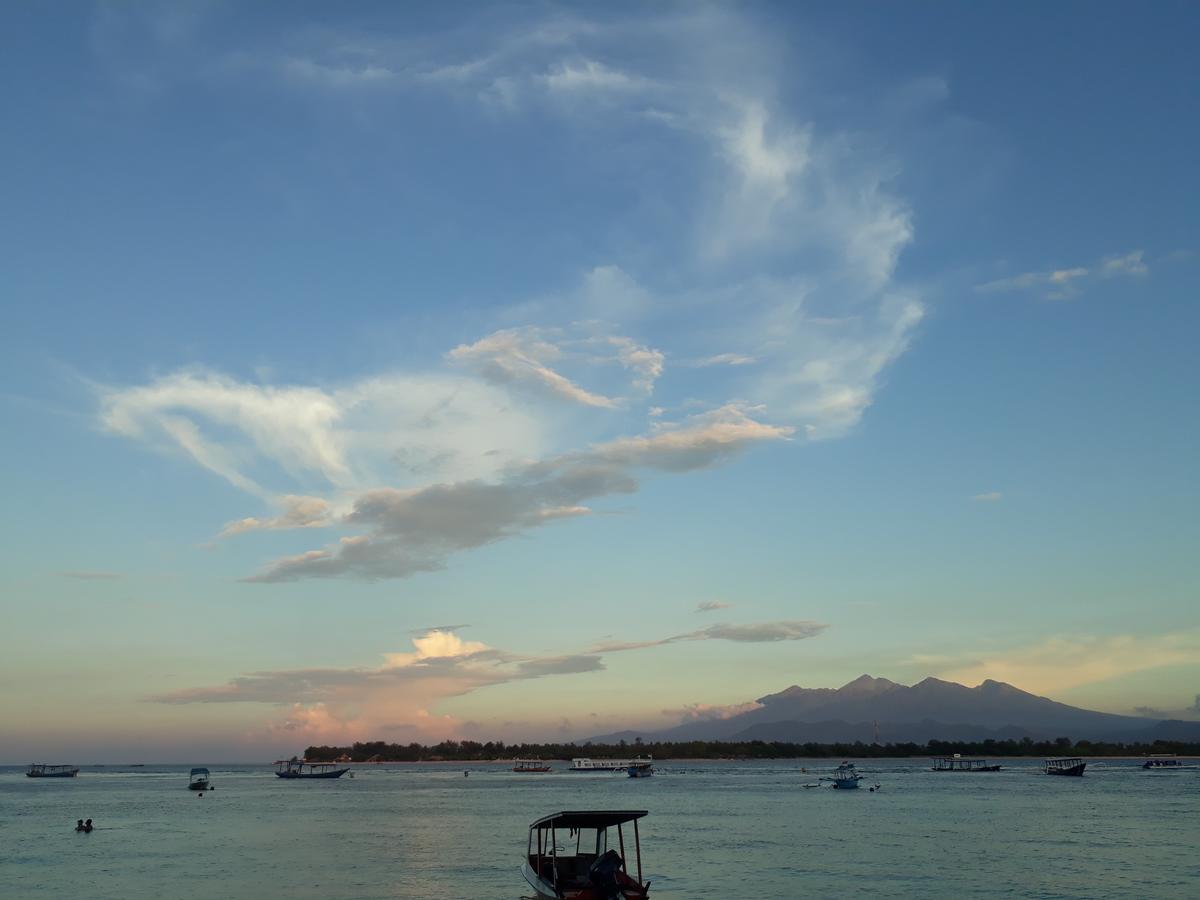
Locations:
{"points": [[1065, 765], [294, 768], [592, 870], [960, 763], [198, 780], [530, 766], [41, 770], [1166, 762]]}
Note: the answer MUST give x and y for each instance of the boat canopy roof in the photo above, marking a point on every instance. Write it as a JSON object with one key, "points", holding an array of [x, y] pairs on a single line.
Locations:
{"points": [[593, 818], [199, 771], [1065, 759]]}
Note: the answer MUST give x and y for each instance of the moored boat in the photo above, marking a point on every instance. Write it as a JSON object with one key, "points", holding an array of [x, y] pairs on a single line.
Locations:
{"points": [[1166, 762], [960, 763], [1065, 765], [530, 767], [199, 780], [845, 777], [588, 765], [41, 770], [593, 869], [294, 768]]}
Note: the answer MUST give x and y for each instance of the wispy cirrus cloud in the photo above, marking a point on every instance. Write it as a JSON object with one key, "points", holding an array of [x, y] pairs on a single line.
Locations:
{"points": [[712, 605], [776, 287], [1060, 284], [988, 497]]}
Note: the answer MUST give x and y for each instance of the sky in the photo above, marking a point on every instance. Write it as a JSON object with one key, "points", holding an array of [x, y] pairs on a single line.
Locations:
{"points": [[535, 370]]}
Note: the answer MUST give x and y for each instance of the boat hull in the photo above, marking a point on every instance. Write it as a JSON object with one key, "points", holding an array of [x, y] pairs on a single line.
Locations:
{"points": [[51, 774], [544, 889], [1073, 770], [200, 786], [336, 773]]}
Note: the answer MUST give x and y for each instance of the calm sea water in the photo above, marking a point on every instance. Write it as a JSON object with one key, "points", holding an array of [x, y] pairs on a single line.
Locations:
{"points": [[715, 830]]}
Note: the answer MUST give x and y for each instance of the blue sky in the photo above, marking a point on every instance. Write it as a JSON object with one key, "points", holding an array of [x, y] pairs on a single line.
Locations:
{"points": [[870, 329]]}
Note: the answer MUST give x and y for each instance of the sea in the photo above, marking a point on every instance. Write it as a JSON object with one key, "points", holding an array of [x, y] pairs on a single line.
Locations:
{"points": [[714, 830]]}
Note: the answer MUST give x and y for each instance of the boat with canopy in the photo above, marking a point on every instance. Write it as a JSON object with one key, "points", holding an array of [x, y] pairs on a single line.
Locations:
{"points": [[295, 768], [1166, 762], [1065, 765], [199, 780], [530, 766], [960, 763], [41, 770], [591, 870]]}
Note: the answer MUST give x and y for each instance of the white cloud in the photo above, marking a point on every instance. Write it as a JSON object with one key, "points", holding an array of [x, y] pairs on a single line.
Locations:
{"points": [[1065, 283], [988, 497], [712, 605], [522, 356]]}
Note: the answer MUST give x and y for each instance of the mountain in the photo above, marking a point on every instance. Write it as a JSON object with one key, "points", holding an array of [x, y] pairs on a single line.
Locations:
{"points": [[930, 709]]}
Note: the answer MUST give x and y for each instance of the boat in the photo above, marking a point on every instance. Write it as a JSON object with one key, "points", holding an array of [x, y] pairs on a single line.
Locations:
{"points": [[845, 777], [294, 768], [199, 780], [592, 869], [41, 770], [1065, 765], [1166, 762], [587, 764], [640, 770], [960, 763], [530, 766]]}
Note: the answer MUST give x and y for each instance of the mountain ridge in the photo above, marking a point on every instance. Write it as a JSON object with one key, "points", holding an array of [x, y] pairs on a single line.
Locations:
{"points": [[931, 709]]}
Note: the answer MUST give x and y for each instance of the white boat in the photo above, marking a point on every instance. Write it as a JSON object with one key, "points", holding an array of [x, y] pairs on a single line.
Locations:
{"points": [[845, 777], [1166, 762], [591, 870], [640, 770], [588, 765]]}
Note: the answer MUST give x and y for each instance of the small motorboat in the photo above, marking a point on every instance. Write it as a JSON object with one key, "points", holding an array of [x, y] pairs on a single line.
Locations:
{"points": [[530, 766], [640, 770], [41, 770], [199, 780], [592, 869], [1164, 762], [294, 768], [1065, 765], [845, 777]]}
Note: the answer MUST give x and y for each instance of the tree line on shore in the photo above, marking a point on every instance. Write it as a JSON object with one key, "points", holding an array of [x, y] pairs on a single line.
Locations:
{"points": [[474, 751]]}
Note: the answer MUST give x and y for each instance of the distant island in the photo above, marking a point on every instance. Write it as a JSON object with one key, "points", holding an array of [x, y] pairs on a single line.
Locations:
{"points": [[474, 751]]}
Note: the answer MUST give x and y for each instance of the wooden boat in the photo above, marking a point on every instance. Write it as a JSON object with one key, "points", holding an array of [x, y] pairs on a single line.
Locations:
{"points": [[41, 770], [1166, 762], [592, 869], [530, 766], [960, 763], [640, 770], [294, 768], [199, 780], [1065, 765]]}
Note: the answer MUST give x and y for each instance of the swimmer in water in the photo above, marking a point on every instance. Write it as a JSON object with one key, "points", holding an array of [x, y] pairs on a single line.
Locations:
{"points": [[79, 825], [87, 826]]}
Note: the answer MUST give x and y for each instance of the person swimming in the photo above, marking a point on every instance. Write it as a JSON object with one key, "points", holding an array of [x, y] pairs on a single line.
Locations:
{"points": [[79, 825], [87, 826]]}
